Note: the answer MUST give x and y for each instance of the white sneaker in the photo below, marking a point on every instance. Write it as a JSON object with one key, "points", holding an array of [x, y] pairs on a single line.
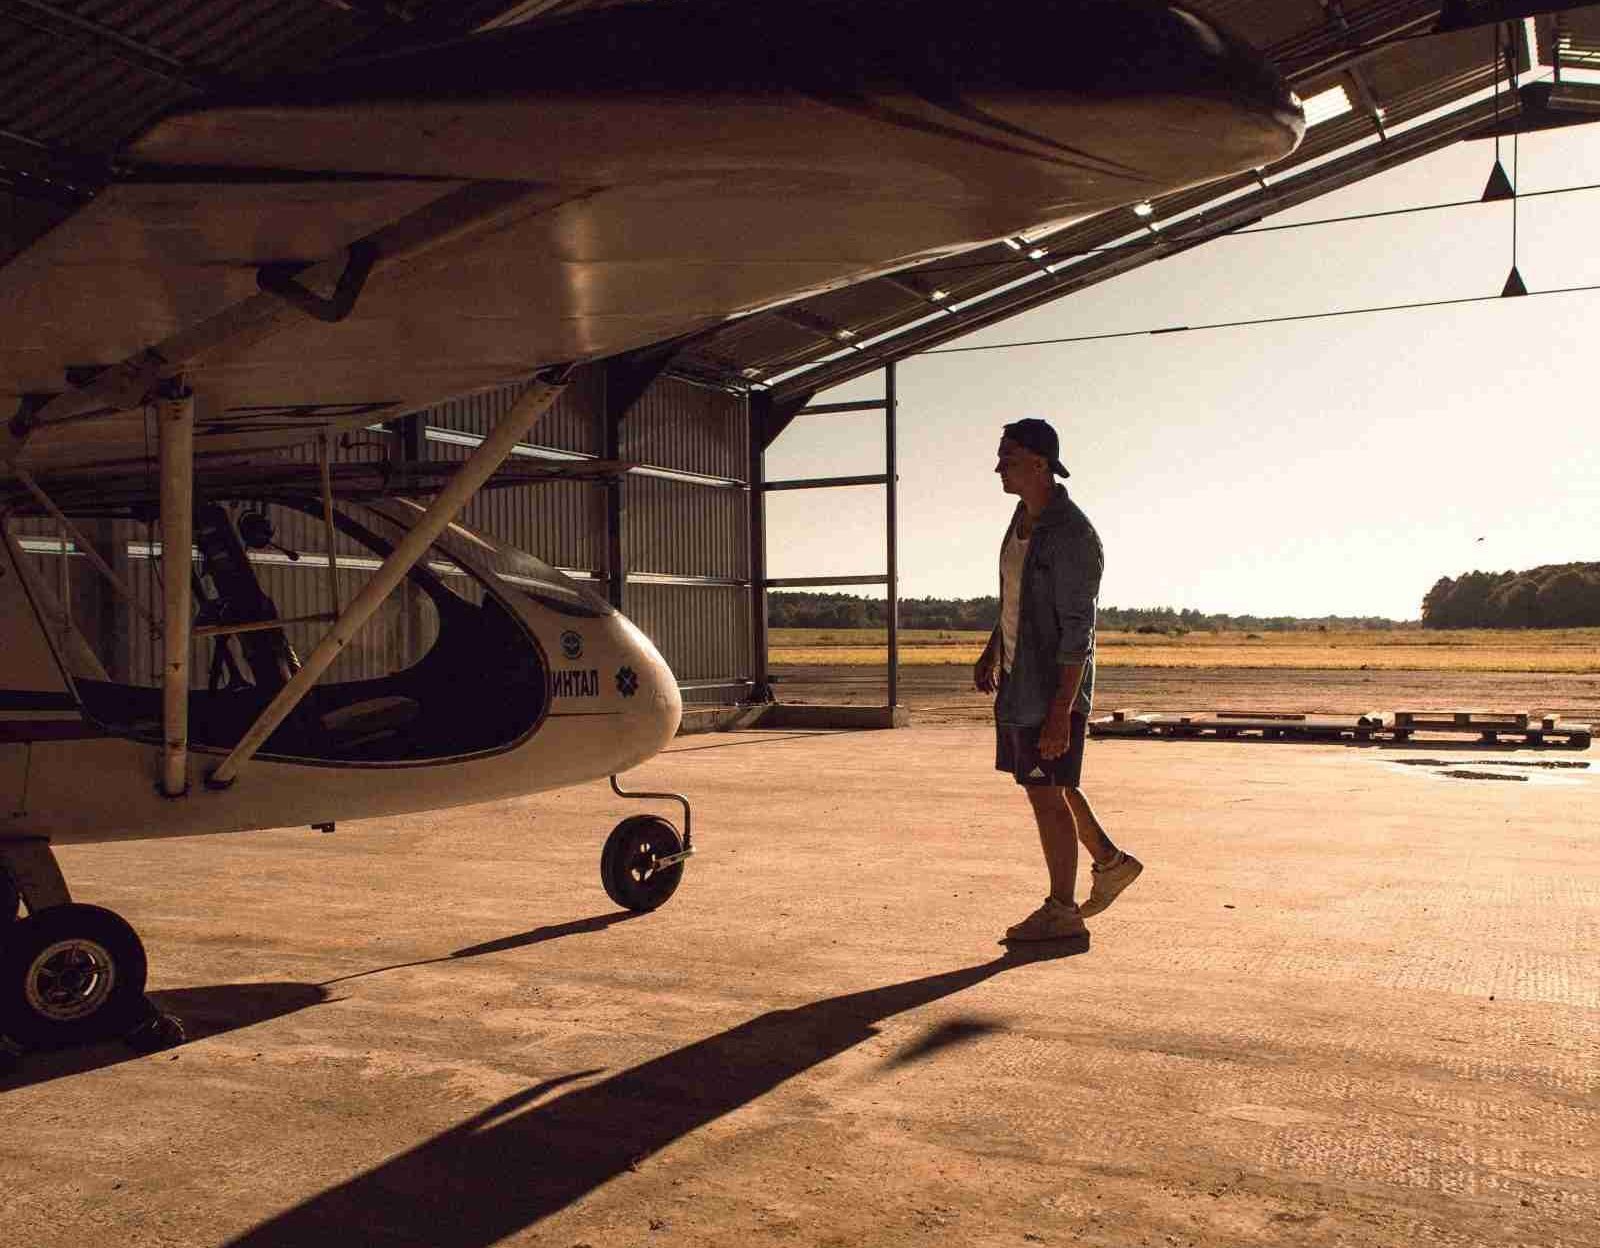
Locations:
{"points": [[1055, 920], [1107, 883]]}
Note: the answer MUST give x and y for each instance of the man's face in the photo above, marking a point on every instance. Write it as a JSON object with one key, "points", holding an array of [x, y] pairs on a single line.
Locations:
{"points": [[1017, 466]]}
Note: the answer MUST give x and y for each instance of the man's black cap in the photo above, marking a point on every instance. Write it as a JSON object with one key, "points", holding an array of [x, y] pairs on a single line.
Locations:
{"points": [[1040, 438]]}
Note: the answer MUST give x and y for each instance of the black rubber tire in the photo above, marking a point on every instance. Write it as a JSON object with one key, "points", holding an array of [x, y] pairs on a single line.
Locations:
{"points": [[71, 974], [627, 863]]}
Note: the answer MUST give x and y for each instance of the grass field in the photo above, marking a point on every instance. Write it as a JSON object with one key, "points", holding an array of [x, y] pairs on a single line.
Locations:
{"points": [[1466, 650]]}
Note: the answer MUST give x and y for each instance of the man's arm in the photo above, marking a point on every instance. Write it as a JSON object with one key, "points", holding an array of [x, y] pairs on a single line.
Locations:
{"points": [[988, 664], [1055, 737], [1077, 590]]}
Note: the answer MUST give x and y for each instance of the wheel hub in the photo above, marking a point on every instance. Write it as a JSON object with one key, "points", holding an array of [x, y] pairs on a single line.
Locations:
{"points": [[70, 979], [644, 862]]}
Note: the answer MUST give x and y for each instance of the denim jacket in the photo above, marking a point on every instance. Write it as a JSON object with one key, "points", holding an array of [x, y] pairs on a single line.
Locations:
{"points": [[1055, 622]]}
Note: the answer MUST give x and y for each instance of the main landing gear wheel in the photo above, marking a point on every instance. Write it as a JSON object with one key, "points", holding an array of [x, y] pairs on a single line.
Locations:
{"points": [[631, 863], [71, 974]]}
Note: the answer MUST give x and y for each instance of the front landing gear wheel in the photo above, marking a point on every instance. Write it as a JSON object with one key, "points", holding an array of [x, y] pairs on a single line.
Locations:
{"points": [[631, 863], [70, 975]]}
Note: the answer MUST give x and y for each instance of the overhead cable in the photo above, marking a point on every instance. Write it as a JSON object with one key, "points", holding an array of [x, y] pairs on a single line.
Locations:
{"points": [[1264, 320], [1145, 243]]}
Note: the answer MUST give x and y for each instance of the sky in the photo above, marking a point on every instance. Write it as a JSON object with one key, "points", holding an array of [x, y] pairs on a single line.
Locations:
{"points": [[1331, 467]]}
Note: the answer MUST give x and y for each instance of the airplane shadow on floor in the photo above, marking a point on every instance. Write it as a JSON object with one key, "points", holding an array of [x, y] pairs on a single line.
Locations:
{"points": [[207, 1011], [220, 1008], [533, 1153]]}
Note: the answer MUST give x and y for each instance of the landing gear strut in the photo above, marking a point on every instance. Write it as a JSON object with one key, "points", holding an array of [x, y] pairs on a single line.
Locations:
{"points": [[641, 865], [69, 973]]}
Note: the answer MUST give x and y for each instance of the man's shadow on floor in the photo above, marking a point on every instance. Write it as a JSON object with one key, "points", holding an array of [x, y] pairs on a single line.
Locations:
{"points": [[527, 1157]]}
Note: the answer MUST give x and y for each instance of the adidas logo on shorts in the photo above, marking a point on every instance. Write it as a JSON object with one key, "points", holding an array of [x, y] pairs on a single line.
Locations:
{"points": [[1036, 774]]}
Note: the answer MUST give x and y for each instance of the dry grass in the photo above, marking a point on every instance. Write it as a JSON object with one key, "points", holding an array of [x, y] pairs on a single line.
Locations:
{"points": [[1467, 650]]}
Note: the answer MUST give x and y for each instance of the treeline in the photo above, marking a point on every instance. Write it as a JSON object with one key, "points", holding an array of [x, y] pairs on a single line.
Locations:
{"points": [[1558, 595], [799, 610]]}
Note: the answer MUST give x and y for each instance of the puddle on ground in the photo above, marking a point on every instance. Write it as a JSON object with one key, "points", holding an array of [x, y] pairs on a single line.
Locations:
{"points": [[1558, 771], [1552, 764]]}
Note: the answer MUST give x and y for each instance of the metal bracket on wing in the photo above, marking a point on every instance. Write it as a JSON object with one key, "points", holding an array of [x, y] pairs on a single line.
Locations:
{"points": [[283, 281]]}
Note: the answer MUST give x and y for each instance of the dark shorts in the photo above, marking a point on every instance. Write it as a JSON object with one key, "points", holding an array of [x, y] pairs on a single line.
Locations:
{"points": [[1017, 750]]}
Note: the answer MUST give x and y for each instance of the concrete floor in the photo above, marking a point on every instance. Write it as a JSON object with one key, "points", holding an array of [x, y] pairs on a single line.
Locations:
{"points": [[1350, 1003]]}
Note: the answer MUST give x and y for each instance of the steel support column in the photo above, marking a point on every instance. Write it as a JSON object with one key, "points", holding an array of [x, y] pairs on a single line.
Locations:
{"points": [[411, 438], [616, 571], [893, 527], [769, 416], [760, 418], [627, 378], [175, 431]]}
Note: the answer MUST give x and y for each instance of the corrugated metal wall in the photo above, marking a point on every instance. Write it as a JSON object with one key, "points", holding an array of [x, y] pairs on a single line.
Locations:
{"points": [[672, 528], [684, 520], [703, 632], [690, 529], [689, 428]]}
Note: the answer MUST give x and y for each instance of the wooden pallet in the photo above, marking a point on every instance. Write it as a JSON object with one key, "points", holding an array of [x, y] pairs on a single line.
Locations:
{"points": [[1487, 727]]}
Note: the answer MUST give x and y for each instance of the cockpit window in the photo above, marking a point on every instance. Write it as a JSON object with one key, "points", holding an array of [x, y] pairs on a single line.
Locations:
{"points": [[518, 571], [445, 669], [551, 589]]}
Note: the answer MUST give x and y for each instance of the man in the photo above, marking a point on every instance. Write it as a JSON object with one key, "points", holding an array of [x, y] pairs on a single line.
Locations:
{"points": [[1040, 664]]}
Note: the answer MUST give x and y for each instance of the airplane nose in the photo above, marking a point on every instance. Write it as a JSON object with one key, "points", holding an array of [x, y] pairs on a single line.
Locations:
{"points": [[655, 706]]}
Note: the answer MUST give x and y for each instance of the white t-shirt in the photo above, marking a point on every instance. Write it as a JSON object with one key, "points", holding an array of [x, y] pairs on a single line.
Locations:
{"points": [[1012, 555]]}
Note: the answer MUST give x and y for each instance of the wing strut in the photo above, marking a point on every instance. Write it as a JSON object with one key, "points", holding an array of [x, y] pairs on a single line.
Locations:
{"points": [[324, 453], [494, 451], [175, 423], [83, 544]]}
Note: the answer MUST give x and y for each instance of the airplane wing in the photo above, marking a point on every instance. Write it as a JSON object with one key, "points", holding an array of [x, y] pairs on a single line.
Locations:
{"points": [[389, 234]]}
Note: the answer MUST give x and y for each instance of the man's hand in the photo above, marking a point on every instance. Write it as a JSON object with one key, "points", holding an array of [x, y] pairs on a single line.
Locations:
{"points": [[983, 672], [1055, 737]]}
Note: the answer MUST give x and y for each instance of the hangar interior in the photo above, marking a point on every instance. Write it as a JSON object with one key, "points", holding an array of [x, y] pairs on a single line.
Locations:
{"points": [[675, 532]]}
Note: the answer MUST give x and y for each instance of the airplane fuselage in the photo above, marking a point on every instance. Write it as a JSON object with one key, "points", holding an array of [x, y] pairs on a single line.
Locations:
{"points": [[538, 697]]}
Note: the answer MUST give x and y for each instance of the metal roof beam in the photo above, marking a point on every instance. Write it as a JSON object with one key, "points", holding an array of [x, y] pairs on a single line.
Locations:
{"points": [[627, 377], [1327, 49], [1464, 14], [62, 24], [771, 415], [42, 171]]}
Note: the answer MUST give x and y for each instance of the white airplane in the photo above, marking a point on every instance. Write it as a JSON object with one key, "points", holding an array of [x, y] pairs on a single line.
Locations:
{"points": [[264, 271]]}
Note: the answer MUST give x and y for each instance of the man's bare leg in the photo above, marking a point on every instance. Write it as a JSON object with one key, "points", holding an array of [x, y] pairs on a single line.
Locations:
{"points": [[1090, 832], [1113, 869], [1058, 837], [1058, 918]]}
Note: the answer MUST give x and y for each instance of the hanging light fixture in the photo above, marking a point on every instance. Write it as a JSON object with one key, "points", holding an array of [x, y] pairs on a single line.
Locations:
{"points": [[1499, 186]]}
